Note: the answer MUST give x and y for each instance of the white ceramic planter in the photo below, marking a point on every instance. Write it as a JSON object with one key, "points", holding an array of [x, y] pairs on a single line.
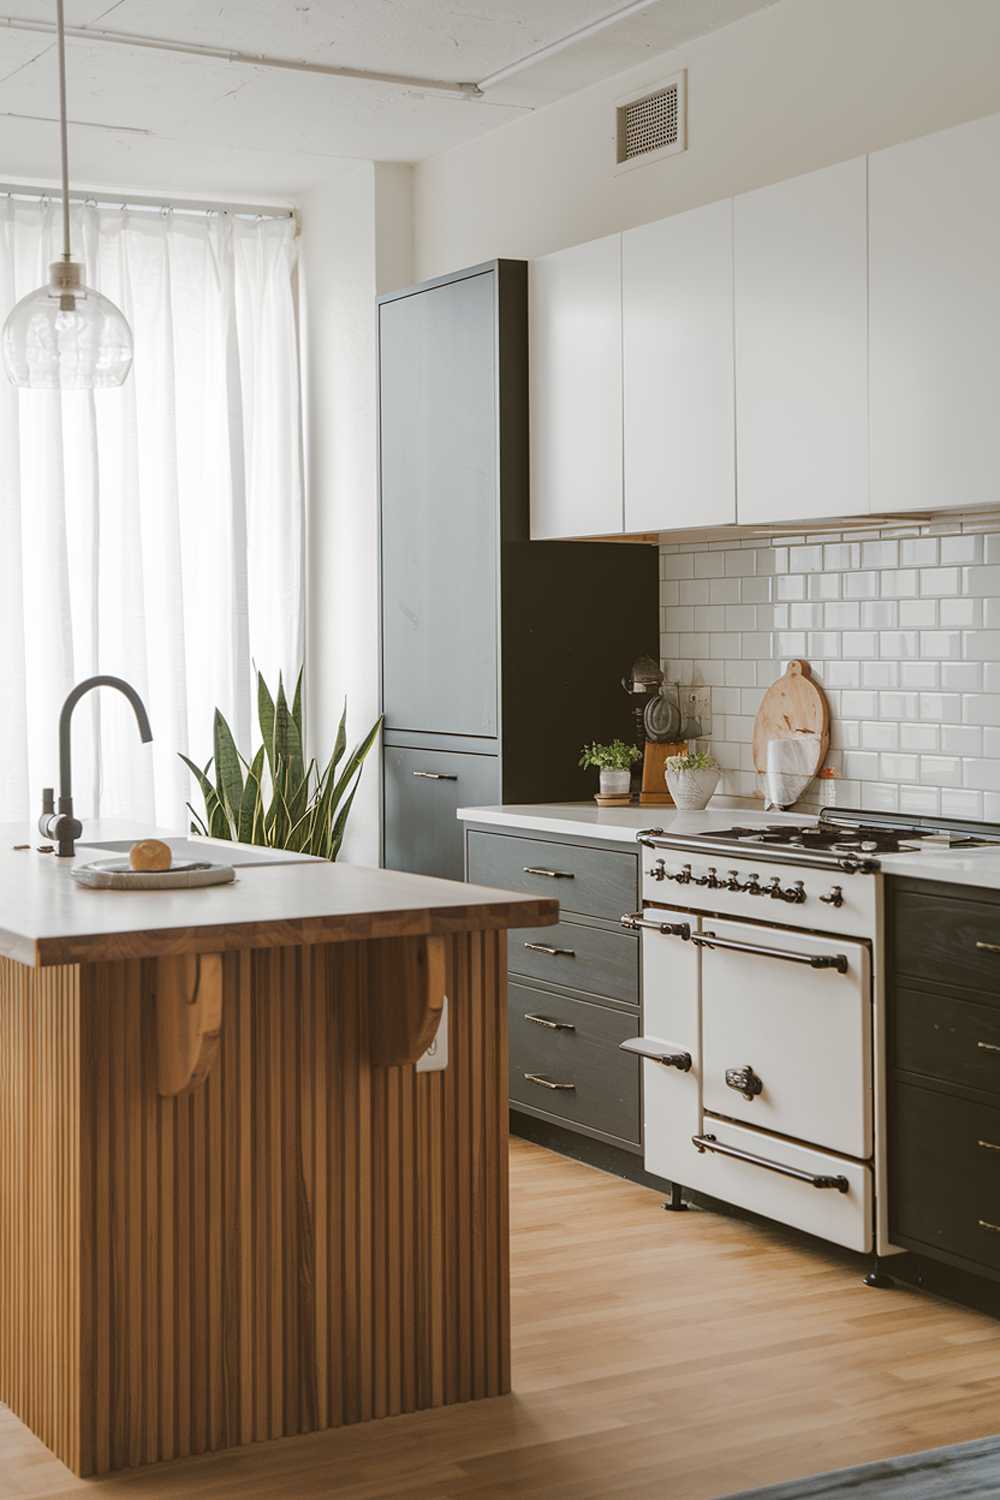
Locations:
{"points": [[692, 790], [615, 783]]}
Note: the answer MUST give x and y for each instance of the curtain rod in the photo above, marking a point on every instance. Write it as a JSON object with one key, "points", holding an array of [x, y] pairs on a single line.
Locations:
{"points": [[138, 200]]}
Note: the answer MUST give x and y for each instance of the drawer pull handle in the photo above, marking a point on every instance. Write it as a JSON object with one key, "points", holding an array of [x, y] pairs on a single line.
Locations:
{"points": [[993, 1228], [988, 947], [435, 775], [549, 951], [988, 1145], [551, 1025], [547, 1083], [815, 1179], [551, 874], [988, 1047]]}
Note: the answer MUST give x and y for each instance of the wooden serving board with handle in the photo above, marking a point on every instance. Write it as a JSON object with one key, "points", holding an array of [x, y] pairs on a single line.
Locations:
{"points": [[792, 706]]}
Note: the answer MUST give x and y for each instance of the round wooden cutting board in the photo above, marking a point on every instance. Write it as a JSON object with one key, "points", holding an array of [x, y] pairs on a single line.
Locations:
{"points": [[792, 706]]}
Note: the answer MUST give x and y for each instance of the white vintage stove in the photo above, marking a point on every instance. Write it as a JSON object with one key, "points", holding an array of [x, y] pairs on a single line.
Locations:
{"points": [[764, 1018]]}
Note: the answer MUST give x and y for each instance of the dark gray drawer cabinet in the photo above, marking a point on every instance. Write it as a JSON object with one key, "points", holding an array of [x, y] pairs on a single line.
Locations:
{"points": [[943, 998], [575, 989], [565, 1062], [592, 881], [423, 790], [597, 960]]}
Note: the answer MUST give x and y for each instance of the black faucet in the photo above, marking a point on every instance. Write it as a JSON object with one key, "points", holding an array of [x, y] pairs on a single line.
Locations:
{"points": [[62, 826]]}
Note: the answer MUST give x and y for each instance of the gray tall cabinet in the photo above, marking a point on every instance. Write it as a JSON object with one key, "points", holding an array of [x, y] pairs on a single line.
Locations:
{"points": [[500, 656]]}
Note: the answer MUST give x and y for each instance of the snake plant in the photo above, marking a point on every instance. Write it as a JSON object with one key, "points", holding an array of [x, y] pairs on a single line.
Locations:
{"points": [[277, 798]]}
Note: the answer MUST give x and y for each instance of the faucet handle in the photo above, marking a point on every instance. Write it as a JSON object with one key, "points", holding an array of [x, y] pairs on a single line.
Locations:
{"points": [[48, 799]]}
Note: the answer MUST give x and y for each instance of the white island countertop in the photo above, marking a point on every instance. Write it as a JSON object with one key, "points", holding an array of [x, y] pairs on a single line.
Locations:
{"points": [[277, 900], [974, 867]]}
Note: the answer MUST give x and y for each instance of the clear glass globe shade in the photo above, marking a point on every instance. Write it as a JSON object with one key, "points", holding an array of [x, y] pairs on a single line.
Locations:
{"points": [[67, 338]]}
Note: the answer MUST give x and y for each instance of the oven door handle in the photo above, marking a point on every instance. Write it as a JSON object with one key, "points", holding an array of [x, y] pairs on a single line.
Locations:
{"points": [[836, 961], [814, 1179], [634, 920]]}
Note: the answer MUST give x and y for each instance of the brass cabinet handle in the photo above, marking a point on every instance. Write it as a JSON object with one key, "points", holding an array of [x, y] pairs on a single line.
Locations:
{"points": [[988, 1047], [550, 952], [552, 874], [988, 1145], [548, 1024], [988, 947], [993, 1228], [547, 1083], [435, 776]]}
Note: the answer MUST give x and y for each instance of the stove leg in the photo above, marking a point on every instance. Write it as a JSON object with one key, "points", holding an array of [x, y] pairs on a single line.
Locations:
{"points": [[675, 1204], [877, 1277]]}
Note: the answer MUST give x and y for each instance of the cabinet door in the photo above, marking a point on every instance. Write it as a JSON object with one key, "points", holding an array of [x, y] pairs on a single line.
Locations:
{"points": [[438, 419], [935, 320], [576, 391], [423, 790], [802, 347], [677, 341]]}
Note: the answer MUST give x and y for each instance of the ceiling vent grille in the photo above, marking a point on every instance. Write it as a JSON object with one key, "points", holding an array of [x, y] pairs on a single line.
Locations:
{"points": [[651, 124]]}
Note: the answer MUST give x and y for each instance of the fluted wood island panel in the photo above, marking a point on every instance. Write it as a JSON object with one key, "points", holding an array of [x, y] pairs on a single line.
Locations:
{"points": [[311, 1233]]}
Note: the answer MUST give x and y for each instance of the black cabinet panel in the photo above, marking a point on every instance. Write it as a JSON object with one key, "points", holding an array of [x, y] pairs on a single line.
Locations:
{"points": [[953, 939], [579, 956], [423, 791], [945, 1174], [564, 1060], [957, 1041], [440, 524]]}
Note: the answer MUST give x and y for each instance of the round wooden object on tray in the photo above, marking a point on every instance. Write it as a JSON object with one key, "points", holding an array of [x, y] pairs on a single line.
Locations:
{"points": [[791, 707]]}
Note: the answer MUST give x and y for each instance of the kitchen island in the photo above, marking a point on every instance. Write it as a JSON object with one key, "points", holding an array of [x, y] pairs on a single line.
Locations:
{"points": [[231, 1208]]}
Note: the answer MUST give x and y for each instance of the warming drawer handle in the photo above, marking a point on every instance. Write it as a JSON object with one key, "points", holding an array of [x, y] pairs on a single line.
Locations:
{"points": [[680, 1059], [435, 775], [550, 874], [547, 1083], [988, 947], [548, 1023], [633, 920], [836, 961], [815, 1179], [549, 951]]}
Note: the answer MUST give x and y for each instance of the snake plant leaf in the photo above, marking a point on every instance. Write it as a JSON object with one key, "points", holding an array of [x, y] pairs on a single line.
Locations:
{"points": [[214, 810], [297, 705], [355, 760], [198, 823], [340, 825], [228, 771], [251, 799], [265, 717], [287, 740]]}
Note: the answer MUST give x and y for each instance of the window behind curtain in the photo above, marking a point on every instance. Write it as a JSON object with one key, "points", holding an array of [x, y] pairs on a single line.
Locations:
{"points": [[154, 532]]}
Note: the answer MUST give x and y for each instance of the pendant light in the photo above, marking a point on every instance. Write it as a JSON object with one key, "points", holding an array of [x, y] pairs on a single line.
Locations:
{"points": [[66, 336]]}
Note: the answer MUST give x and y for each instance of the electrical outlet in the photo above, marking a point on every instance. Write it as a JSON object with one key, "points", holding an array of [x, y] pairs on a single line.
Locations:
{"points": [[696, 703], [435, 1059]]}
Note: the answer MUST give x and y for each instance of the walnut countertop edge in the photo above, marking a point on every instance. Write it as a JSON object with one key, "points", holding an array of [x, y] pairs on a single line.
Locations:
{"points": [[47, 918]]}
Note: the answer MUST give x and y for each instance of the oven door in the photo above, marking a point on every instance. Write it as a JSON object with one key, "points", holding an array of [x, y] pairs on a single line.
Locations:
{"points": [[787, 1033]]}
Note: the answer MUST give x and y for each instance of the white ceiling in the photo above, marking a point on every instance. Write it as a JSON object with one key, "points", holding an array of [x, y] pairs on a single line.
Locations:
{"points": [[188, 123]]}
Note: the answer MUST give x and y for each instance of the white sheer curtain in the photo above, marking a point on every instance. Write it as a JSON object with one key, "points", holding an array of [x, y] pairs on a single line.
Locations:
{"points": [[154, 532]]}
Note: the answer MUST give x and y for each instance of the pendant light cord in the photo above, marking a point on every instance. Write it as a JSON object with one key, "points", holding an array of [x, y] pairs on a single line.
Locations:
{"points": [[63, 129]]}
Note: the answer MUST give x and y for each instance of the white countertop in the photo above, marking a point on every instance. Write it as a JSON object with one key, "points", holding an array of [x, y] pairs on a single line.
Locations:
{"points": [[977, 867]]}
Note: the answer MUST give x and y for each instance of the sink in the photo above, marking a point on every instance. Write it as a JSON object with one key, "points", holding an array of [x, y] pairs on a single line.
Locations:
{"points": [[182, 849]]}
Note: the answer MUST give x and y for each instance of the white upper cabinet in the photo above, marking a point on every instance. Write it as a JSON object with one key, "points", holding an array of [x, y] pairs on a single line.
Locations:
{"points": [[576, 391], [802, 347], [935, 321], [677, 340]]}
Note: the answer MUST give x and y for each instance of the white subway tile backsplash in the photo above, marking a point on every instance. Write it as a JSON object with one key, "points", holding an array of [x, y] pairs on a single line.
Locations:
{"points": [[902, 627]]}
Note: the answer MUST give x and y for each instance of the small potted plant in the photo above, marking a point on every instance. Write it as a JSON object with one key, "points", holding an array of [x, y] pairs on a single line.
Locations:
{"points": [[692, 779], [614, 762]]}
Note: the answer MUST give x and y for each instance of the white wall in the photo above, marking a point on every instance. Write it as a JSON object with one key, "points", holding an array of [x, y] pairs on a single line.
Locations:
{"points": [[802, 84], [356, 243]]}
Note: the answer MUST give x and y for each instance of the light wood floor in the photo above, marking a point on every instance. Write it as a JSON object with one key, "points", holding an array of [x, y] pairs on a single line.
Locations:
{"points": [[656, 1355]]}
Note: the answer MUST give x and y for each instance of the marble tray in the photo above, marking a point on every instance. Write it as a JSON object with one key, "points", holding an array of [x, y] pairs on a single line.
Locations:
{"points": [[118, 875]]}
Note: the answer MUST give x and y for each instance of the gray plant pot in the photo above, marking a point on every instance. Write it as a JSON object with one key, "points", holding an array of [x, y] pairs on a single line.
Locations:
{"points": [[615, 783]]}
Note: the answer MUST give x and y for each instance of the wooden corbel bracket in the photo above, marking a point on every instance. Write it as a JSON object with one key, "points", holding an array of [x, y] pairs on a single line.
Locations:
{"points": [[188, 1020], [408, 989]]}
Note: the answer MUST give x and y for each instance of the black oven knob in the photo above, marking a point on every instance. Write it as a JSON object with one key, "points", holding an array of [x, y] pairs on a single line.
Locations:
{"points": [[795, 893], [732, 883], [835, 897], [753, 886], [745, 1081], [683, 877], [712, 879], [659, 870]]}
